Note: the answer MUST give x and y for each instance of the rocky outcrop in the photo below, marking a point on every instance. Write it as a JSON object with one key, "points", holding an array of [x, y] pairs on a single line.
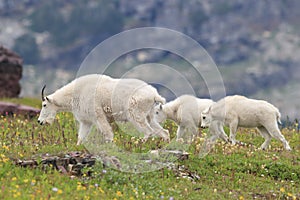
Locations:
{"points": [[10, 73], [7, 109]]}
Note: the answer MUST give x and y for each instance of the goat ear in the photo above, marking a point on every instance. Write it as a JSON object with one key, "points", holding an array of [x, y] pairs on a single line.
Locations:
{"points": [[157, 103], [50, 101], [207, 110], [160, 107]]}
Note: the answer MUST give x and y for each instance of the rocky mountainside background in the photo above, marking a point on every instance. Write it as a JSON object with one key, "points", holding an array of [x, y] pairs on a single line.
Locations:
{"points": [[255, 44], [10, 73]]}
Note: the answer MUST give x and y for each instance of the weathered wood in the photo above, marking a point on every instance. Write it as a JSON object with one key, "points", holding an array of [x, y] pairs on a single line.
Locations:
{"points": [[73, 163]]}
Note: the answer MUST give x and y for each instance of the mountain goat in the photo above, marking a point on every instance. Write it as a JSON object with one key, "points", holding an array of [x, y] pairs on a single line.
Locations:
{"points": [[239, 111], [99, 99], [184, 111]]}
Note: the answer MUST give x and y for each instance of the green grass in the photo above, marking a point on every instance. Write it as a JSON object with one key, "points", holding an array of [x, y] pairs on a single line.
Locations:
{"points": [[227, 172], [24, 101]]}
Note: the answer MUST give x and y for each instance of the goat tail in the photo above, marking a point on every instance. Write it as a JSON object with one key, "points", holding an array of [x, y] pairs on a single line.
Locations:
{"points": [[278, 116]]}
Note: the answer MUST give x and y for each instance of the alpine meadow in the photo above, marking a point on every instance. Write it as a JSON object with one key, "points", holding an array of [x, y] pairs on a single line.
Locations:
{"points": [[228, 171]]}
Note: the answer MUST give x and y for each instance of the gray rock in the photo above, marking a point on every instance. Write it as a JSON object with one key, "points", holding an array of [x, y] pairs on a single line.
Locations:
{"points": [[10, 73]]}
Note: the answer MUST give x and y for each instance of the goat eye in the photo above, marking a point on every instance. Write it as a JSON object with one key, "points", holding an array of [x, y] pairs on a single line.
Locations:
{"points": [[204, 117], [44, 105], [157, 112]]}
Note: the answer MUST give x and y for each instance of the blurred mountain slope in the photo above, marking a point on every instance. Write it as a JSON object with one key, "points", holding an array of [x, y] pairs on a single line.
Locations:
{"points": [[255, 44]]}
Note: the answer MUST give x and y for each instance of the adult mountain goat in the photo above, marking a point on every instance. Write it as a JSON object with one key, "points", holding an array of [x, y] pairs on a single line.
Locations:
{"points": [[239, 111], [185, 111], [99, 99]]}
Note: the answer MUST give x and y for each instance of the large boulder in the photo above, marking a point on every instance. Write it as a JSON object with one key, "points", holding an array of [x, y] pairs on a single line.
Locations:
{"points": [[10, 73]]}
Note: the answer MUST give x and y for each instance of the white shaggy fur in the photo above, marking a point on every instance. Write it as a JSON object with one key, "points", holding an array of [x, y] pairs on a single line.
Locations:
{"points": [[239, 111], [99, 99], [185, 112]]}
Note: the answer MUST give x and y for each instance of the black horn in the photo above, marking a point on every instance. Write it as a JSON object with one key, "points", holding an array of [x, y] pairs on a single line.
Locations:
{"points": [[43, 98]]}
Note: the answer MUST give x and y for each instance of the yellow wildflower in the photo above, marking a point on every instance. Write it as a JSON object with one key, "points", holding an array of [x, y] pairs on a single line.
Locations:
{"points": [[17, 194], [59, 191], [4, 158], [33, 182], [5, 147], [119, 194], [100, 189], [80, 187]]}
